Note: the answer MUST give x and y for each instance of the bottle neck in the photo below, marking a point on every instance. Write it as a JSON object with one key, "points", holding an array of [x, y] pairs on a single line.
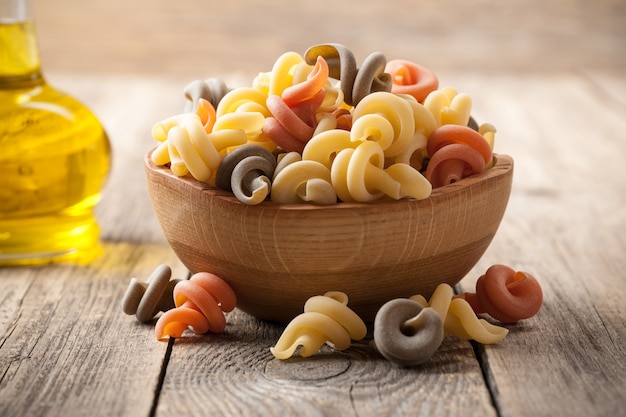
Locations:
{"points": [[20, 65]]}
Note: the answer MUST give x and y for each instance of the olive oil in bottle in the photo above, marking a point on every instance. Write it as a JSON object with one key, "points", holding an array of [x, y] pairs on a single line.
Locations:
{"points": [[54, 157]]}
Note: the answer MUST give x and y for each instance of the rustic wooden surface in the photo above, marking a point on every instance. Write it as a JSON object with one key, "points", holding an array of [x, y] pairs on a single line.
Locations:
{"points": [[548, 74]]}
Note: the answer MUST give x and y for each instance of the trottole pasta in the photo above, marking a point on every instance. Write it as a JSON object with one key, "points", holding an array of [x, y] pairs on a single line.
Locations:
{"points": [[243, 99], [326, 319], [303, 181], [452, 163], [146, 299], [506, 295], [359, 175], [309, 88], [281, 75], [397, 111], [459, 318], [211, 90], [323, 107], [287, 128], [188, 147], [324, 146], [247, 172], [455, 152], [407, 333], [200, 305], [449, 107], [410, 78]]}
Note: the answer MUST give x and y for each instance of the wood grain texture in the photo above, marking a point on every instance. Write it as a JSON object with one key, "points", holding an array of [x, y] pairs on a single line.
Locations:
{"points": [[66, 342], [566, 225], [548, 74], [235, 374]]}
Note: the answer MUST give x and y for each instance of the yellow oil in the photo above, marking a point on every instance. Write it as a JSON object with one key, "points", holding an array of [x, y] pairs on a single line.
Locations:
{"points": [[54, 158]]}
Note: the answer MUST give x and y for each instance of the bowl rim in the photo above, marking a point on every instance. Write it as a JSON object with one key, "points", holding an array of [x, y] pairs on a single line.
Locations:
{"points": [[502, 165]]}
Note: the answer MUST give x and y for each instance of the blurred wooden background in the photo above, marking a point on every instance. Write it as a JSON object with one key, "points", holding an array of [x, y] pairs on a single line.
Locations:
{"points": [[196, 39]]}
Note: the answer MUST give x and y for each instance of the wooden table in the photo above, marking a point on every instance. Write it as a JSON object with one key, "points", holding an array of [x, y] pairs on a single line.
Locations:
{"points": [[551, 80]]}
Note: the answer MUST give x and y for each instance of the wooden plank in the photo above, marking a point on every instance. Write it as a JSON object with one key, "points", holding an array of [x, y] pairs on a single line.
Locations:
{"points": [[234, 373], [566, 225], [68, 349]]}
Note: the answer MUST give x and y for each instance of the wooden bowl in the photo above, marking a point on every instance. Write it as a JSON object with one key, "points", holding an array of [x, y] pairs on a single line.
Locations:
{"points": [[276, 256]]}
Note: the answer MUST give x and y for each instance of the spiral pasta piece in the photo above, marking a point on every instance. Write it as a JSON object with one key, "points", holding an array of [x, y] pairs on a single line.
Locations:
{"points": [[456, 152], [397, 111], [506, 295], [459, 318], [488, 132], [291, 127], [243, 99], [192, 146], [306, 90], [285, 159], [249, 123], [407, 333], [456, 134], [453, 163], [410, 78], [373, 127], [371, 78], [326, 319], [449, 107], [303, 181], [211, 90], [200, 305], [355, 83], [247, 172], [146, 299], [341, 65], [324, 146], [358, 175], [281, 75], [192, 153], [206, 112]]}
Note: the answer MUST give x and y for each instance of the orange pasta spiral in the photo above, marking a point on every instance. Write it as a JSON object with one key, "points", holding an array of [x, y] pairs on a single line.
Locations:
{"points": [[455, 152], [200, 304], [506, 295]]}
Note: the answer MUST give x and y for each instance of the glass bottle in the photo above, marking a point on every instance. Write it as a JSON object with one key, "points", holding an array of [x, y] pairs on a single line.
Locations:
{"points": [[54, 156]]}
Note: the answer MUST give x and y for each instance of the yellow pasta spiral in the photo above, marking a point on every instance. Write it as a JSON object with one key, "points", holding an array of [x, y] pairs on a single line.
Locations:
{"points": [[459, 318], [398, 114], [326, 319]]}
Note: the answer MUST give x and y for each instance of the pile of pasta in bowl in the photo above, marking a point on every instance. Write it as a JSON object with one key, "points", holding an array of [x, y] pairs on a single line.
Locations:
{"points": [[318, 129]]}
